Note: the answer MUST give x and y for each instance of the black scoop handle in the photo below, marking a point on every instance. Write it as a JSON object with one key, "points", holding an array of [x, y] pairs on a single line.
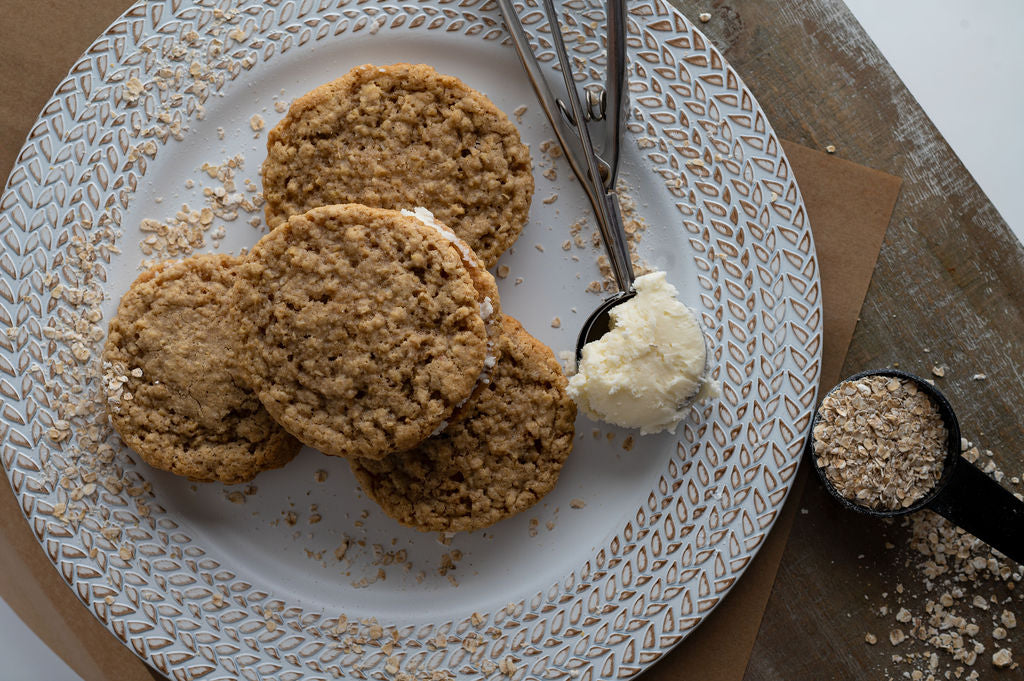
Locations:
{"points": [[983, 507]]}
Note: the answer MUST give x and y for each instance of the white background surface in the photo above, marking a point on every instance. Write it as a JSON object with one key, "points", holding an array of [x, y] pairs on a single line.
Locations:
{"points": [[964, 62]]}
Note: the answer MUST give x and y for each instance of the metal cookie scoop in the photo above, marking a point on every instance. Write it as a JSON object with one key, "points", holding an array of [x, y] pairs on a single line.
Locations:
{"points": [[576, 128], [963, 494]]}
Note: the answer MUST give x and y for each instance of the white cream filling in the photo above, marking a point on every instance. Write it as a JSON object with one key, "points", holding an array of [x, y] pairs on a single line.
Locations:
{"points": [[486, 307]]}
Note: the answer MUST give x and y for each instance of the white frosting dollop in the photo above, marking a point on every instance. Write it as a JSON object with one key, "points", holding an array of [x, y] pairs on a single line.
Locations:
{"points": [[647, 370]]}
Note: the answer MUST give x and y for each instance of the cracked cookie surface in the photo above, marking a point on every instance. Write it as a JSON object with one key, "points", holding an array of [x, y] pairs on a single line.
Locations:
{"points": [[402, 136], [189, 411]]}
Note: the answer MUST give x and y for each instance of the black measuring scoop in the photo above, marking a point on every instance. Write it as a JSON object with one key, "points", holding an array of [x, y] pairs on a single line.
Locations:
{"points": [[963, 494]]}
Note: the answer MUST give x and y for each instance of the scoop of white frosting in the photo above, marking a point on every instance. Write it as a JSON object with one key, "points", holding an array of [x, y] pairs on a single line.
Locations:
{"points": [[645, 372]]}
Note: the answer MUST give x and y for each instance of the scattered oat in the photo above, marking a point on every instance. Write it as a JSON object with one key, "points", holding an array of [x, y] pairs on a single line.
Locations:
{"points": [[186, 231], [507, 666], [939, 371], [503, 271], [551, 199], [539, 247], [870, 639], [257, 123], [830, 149], [577, 503], [556, 323], [704, 17], [519, 112], [133, 88], [979, 377], [1002, 658], [962, 583]]}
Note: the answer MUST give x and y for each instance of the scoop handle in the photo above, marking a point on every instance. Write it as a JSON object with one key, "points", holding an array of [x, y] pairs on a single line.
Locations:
{"points": [[983, 507]]}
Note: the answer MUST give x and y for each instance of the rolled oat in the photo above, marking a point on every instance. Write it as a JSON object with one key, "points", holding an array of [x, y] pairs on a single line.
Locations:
{"points": [[880, 441]]}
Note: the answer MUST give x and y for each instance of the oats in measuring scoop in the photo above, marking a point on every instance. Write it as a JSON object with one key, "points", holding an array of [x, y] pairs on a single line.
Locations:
{"points": [[880, 441]]}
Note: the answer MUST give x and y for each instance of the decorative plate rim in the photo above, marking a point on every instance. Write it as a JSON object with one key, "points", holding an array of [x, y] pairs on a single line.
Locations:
{"points": [[629, 603]]}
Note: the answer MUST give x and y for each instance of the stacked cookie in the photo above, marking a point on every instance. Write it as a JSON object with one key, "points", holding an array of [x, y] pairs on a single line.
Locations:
{"points": [[364, 332]]}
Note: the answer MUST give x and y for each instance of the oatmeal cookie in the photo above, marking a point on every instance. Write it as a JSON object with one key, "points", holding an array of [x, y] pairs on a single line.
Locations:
{"points": [[402, 136], [500, 458], [189, 412], [362, 328]]}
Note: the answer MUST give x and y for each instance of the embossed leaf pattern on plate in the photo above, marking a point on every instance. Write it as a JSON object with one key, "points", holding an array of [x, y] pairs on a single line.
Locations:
{"points": [[120, 112]]}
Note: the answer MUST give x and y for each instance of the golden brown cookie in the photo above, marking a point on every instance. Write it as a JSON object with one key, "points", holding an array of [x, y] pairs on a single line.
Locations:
{"points": [[500, 458], [402, 136], [362, 328], [483, 280], [182, 403]]}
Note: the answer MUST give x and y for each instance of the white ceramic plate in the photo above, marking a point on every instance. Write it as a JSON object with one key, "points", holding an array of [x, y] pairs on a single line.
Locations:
{"points": [[213, 582]]}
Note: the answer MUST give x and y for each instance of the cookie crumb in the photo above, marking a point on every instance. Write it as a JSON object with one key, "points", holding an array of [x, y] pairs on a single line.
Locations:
{"points": [[939, 371], [280, 106], [503, 271], [257, 123], [518, 112], [870, 639], [577, 503], [704, 17], [830, 149], [627, 444], [320, 475], [556, 323]]}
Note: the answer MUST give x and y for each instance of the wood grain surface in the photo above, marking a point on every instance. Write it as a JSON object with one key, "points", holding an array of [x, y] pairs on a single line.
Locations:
{"points": [[947, 291]]}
